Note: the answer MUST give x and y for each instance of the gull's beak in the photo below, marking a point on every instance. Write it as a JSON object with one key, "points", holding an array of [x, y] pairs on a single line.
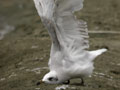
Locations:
{"points": [[40, 82]]}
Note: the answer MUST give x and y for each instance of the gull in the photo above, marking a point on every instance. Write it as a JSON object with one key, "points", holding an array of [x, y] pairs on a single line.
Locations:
{"points": [[69, 56]]}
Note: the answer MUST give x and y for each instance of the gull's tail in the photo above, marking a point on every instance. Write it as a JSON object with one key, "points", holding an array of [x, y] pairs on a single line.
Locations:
{"points": [[94, 54]]}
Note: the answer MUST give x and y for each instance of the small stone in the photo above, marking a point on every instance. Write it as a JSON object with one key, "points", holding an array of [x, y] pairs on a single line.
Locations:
{"points": [[2, 79], [38, 83], [37, 88]]}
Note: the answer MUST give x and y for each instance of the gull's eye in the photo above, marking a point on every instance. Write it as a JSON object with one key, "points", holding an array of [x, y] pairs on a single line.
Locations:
{"points": [[52, 79]]}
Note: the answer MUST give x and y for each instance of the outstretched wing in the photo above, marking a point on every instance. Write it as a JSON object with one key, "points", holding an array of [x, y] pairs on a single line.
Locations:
{"points": [[67, 33], [45, 9], [72, 33]]}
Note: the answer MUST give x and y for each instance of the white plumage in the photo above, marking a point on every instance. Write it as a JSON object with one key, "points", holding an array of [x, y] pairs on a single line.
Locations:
{"points": [[68, 58]]}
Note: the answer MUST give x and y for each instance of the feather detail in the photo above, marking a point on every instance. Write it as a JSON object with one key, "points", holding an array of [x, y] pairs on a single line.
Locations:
{"points": [[69, 29]]}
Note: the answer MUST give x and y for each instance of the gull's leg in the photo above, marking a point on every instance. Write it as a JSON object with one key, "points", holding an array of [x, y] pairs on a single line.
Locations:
{"points": [[66, 82], [82, 82]]}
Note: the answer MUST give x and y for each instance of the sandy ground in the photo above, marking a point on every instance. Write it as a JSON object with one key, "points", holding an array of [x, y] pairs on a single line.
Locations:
{"points": [[24, 51]]}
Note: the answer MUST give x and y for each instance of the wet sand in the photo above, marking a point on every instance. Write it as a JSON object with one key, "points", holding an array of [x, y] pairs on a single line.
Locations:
{"points": [[24, 52]]}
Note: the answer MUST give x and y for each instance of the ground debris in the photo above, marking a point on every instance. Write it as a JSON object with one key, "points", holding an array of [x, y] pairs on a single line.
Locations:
{"points": [[2, 79], [37, 70], [102, 75], [115, 72], [63, 87], [37, 88], [13, 75]]}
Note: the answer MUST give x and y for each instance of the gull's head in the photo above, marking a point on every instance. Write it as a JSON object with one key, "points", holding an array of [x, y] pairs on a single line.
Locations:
{"points": [[50, 78]]}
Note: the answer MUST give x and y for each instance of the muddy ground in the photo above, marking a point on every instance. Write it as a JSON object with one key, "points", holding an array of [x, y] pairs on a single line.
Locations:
{"points": [[24, 51]]}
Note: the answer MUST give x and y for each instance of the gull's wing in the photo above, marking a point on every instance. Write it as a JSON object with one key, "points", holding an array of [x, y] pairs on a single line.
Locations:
{"points": [[45, 9], [72, 33], [69, 36]]}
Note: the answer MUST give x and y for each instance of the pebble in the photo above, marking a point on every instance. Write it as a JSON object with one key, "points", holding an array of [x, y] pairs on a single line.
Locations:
{"points": [[2, 79], [63, 87]]}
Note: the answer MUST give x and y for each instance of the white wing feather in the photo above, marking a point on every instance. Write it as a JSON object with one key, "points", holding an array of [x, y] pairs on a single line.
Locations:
{"points": [[45, 9], [69, 36], [72, 34]]}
